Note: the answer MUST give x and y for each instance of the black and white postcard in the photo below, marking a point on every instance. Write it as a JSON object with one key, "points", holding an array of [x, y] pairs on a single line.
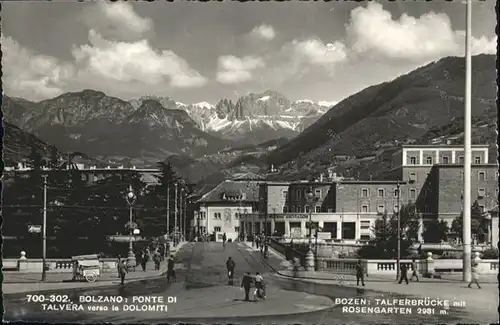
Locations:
{"points": [[250, 162]]}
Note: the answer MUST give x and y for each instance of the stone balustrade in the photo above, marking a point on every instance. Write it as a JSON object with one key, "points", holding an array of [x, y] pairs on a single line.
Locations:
{"points": [[389, 267], [53, 265]]}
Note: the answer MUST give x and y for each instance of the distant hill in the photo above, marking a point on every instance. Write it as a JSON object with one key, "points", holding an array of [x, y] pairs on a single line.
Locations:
{"points": [[414, 108]]}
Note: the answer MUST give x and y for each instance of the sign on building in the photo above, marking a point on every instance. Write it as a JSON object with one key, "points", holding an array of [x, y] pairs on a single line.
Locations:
{"points": [[35, 229], [324, 235]]}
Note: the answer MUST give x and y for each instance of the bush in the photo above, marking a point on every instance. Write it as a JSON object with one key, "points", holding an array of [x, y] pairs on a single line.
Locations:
{"points": [[490, 254]]}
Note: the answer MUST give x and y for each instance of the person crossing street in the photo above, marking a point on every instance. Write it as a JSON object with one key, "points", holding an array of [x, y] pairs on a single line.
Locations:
{"points": [[246, 283], [404, 273], [414, 270], [230, 265], [360, 273]]}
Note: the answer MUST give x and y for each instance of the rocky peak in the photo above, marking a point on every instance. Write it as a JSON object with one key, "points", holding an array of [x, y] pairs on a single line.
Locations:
{"points": [[224, 107], [166, 102], [268, 103]]}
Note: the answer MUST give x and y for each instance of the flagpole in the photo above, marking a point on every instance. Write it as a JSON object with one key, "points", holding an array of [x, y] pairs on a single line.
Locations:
{"points": [[467, 249]]}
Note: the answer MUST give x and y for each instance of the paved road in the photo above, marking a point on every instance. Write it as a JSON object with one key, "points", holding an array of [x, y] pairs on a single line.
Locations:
{"points": [[204, 296]]}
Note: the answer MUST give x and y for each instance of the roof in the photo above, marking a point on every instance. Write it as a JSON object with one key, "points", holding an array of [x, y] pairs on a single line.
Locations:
{"points": [[247, 177], [249, 190]]}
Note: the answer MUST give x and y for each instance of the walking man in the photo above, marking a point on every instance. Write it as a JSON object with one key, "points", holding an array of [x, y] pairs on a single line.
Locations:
{"points": [[246, 283], [404, 273], [360, 273], [224, 238], [170, 269], [157, 260], [414, 272], [122, 270], [230, 265], [259, 287], [475, 275]]}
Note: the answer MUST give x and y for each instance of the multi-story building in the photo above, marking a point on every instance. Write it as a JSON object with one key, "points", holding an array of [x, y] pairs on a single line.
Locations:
{"points": [[220, 210], [430, 176]]}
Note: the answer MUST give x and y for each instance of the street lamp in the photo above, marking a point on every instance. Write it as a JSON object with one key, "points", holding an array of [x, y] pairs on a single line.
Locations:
{"points": [[318, 229], [310, 256], [399, 232], [131, 197], [487, 216]]}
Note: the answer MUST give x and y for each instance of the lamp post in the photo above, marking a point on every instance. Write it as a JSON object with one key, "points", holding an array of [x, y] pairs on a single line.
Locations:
{"points": [[44, 229], [131, 200], [316, 249], [310, 255], [399, 232], [487, 216]]}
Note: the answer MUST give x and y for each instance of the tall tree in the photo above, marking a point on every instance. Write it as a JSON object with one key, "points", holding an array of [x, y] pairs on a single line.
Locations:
{"points": [[479, 225], [385, 234], [435, 231], [155, 220]]}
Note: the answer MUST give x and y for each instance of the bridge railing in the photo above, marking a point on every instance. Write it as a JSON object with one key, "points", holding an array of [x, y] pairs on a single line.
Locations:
{"points": [[289, 251]]}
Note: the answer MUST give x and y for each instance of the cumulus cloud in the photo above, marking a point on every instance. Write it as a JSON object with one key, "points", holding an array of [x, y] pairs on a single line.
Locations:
{"points": [[232, 70], [135, 61], [373, 31], [265, 32], [316, 52], [25, 72], [103, 62], [116, 21]]}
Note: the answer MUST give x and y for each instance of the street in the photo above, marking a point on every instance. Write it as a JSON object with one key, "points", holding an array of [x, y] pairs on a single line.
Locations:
{"points": [[203, 295]]}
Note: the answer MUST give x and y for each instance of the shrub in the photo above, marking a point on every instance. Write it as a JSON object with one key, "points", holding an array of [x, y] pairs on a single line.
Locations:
{"points": [[491, 253]]}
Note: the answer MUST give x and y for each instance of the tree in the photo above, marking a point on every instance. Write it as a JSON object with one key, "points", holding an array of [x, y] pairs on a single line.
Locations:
{"points": [[479, 225], [155, 220], [435, 231], [385, 234]]}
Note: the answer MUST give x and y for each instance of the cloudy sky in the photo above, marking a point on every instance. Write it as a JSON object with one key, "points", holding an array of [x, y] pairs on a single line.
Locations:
{"points": [[196, 52]]}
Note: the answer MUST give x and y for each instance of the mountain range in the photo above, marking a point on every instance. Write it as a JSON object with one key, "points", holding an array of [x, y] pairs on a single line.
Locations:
{"points": [[150, 128], [356, 136], [252, 119]]}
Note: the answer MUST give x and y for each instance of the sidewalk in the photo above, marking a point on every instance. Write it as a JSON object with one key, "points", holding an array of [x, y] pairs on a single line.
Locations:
{"points": [[16, 282], [450, 287]]}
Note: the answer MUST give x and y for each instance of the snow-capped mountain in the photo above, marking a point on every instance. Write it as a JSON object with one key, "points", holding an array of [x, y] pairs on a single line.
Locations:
{"points": [[254, 118]]}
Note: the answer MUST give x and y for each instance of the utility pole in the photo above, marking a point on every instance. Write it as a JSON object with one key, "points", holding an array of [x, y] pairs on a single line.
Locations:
{"points": [[175, 215], [466, 257], [181, 199], [168, 210], [44, 229]]}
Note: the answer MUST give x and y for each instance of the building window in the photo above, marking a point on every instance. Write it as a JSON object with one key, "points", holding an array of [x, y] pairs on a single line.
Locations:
{"points": [[365, 192], [445, 160], [428, 160], [317, 208], [396, 208], [381, 192], [298, 194], [298, 208], [481, 176], [217, 229], [380, 208], [477, 160], [364, 208], [413, 160], [461, 160], [365, 224], [307, 208], [285, 209], [317, 193], [217, 216], [396, 193], [412, 177], [413, 193], [364, 237], [481, 192], [348, 230], [284, 195]]}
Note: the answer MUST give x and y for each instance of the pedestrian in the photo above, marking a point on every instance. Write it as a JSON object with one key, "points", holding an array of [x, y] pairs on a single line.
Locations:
{"points": [[230, 265], [122, 270], [144, 261], [259, 287], [360, 273], [414, 272], [475, 275], [119, 259], [157, 260], [224, 238], [246, 283], [161, 250], [170, 268], [404, 273], [257, 241]]}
